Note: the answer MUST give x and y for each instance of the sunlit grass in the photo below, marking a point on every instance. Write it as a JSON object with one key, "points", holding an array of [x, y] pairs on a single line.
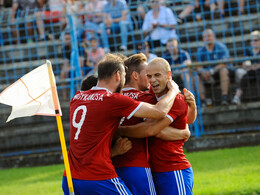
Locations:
{"points": [[219, 172]]}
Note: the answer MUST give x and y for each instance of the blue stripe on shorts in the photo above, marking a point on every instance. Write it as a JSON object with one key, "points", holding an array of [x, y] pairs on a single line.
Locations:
{"points": [[174, 182], [138, 179], [112, 186]]}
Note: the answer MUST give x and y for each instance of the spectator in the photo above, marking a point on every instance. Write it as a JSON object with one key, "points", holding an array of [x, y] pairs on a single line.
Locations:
{"points": [[200, 6], [177, 56], [94, 17], [24, 9], [145, 49], [94, 54], [241, 4], [251, 69], [56, 8], [213, 50], [66, 68], [116, 18], [220, 4], [159, 23], [76, 9], [194, 5], [1, 4], [142, 8]]}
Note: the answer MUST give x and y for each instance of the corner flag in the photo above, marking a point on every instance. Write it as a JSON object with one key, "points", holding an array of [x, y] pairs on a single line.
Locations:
{"points": [[31, 95], [35, 94]]}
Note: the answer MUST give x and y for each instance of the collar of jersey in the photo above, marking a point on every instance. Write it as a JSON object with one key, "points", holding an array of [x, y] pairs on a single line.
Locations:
{"points": [[100, 88], [159, 98], [128, 88]]}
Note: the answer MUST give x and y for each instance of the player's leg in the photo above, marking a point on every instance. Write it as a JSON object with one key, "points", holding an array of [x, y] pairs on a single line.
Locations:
{"points": [[112, 186], [187, 175], [138, 179], [174, 182]]}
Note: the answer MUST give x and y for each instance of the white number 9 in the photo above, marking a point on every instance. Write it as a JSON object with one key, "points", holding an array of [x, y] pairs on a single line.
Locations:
{"points": [[79, 125]]}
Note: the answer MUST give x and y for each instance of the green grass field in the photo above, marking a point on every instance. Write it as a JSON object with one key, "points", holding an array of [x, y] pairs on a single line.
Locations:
{"points": [[218, 172]]}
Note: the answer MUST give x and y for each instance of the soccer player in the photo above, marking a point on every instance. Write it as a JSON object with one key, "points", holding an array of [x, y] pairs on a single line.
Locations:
{"points": [[88, 82], [136, 159], [94, 117], [172, 172], [121, 145]]}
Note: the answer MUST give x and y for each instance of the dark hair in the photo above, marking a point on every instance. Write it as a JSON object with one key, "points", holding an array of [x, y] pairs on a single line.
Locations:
{"points": [[133, 63], [88, 82], [109, 65]]}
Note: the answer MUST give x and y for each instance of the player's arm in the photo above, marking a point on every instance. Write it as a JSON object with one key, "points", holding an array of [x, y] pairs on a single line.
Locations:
{"points": [[171, 134], [144, 129], [159, 110], [121, 146], [192, 108]]}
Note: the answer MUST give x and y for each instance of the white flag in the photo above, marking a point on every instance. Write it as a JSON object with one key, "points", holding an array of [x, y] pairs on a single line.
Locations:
{"points": [[31, 95]]}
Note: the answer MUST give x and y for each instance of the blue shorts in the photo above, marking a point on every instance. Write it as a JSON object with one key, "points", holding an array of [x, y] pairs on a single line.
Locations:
{"points": [[113, 186], [174, 182], [138, 179]]}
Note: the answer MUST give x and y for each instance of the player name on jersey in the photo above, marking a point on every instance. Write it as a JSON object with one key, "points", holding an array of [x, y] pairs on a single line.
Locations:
{"points": [[133, 95], [87, 97]]}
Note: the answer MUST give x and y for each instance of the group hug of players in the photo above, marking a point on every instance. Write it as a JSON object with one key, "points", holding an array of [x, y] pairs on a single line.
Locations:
{"points": [[127, 132]]}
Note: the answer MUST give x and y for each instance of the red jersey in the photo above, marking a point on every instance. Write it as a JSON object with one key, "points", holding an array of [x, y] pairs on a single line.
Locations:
{"points": [[94, 117], [137, 156], [168, 155]]}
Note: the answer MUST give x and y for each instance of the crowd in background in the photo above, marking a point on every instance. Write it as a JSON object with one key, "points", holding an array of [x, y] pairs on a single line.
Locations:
{"points": [[97, 20]]}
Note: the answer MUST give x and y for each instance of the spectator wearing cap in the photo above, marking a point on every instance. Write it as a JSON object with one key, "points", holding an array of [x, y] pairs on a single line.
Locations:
{"points": [[116, 18], [94, 54], [250, 73], [177, 56], [213, 51], [145, 49], [159, 23]]}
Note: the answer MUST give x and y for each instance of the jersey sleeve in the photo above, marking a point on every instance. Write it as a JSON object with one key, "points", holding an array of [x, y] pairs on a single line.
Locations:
{"points": [[179, 108], [124, 106]]}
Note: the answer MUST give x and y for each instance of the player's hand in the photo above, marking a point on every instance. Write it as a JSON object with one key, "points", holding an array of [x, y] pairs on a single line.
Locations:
{"points": [[186, 133], [121, 146], [189, 98], [172, 86]]}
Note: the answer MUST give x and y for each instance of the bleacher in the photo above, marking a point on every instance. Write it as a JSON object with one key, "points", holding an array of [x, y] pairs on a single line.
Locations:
{"points": [[233, 30]]}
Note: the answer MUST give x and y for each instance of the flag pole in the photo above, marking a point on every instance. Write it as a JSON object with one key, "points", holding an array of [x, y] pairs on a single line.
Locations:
{"points": [[60, 128]]}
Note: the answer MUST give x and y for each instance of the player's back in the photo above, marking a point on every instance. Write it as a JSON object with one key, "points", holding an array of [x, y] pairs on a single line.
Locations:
{"points": [[137, 156], [94, 117]]}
